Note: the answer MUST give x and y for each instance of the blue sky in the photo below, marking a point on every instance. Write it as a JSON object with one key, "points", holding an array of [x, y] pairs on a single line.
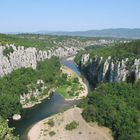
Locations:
{"points": [[70, 15]]}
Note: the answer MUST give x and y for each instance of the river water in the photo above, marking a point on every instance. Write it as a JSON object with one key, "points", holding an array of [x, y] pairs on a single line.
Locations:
{"points": [[48, 107]]}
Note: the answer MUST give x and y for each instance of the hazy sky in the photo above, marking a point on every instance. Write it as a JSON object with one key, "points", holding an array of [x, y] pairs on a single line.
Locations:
{"points": [[36, 15]]}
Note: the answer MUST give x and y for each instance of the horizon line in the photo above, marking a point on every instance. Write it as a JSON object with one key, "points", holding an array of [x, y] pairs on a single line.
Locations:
{"points": [[53, 31]]}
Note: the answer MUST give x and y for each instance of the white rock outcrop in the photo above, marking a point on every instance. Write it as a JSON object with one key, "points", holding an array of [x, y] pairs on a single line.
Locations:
{"points": [[33, 91], [28, 57], [84, 59], [109, 70]]}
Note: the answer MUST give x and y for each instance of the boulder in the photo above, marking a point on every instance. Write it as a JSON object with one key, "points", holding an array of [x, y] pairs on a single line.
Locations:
{"points": [[16, 117]]}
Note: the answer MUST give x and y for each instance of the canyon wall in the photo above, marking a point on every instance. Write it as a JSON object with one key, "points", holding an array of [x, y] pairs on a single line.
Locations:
{"points": [[98, 69], [28, 57]]}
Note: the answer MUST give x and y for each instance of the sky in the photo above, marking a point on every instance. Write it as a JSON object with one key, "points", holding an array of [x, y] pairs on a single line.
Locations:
{"points": [[68, 15]]}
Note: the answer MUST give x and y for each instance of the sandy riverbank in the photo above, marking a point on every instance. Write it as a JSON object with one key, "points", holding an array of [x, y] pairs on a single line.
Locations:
{"points": [[84, 131]]}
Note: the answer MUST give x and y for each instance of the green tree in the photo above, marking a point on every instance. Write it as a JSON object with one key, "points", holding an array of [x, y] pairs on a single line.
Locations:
{"points": [[6, 132]]}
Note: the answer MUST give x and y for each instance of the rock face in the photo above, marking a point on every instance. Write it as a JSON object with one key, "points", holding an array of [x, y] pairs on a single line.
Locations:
{"points": [[98, 69], [28, 57]]}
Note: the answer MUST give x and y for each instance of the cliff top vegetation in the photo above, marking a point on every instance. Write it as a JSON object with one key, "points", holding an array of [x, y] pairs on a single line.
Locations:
{"points": [[123, 50]]}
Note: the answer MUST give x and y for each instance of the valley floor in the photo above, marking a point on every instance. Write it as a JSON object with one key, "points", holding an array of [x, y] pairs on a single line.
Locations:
{"points": [[84, 131]]}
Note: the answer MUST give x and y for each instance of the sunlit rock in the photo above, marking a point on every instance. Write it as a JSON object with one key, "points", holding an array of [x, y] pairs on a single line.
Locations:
{"points": [[28, 57], [109, 70], [16, 117]]}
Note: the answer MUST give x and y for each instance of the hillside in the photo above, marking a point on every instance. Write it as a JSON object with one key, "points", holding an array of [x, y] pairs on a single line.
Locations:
{"points": [[114, 71], [124, 50], [46, 42], [116, 106]]}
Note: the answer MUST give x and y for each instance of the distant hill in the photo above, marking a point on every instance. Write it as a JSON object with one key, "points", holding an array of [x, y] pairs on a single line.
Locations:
{"points": [[118, 33]]}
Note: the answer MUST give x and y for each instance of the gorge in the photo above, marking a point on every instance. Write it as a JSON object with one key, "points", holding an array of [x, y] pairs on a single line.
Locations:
{"points": [[33, 77]]}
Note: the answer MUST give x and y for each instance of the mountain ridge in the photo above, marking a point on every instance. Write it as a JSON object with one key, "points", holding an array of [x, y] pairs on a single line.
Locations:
{"points": [[110, 32]]}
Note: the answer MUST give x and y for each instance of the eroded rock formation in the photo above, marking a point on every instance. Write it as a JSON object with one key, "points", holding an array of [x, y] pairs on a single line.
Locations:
{"points": [[28, 57], [99, 69]]}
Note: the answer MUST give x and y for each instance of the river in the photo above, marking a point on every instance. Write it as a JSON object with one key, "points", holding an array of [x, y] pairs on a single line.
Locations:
{"points": [[48, 107]]}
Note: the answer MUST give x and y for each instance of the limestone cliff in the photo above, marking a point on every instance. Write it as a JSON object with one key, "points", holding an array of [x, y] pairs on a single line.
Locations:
{"points": [[28, 57], [98, 69]]}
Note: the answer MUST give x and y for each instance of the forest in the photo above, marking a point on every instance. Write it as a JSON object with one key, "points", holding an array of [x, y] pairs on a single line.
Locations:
{"points": [[118, 51], [116, 106], [14, 84], [45, 42]]}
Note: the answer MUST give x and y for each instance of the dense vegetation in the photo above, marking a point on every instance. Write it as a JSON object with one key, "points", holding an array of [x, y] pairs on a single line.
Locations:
{"points": [[69, 87], [5, 131], [124, 50], [14, 84], [129, 50], [116, 106], [44, 41], [28, 40]]}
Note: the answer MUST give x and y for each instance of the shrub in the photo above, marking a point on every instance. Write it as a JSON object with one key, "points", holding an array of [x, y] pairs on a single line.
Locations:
{"points": [[7, 51], [51, 122], [76, 80], [52, 133], [72, 125]]}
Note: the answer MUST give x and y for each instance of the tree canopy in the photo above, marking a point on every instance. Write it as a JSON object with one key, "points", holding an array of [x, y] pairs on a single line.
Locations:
{"points": [[14, 84], [117, 106]]}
